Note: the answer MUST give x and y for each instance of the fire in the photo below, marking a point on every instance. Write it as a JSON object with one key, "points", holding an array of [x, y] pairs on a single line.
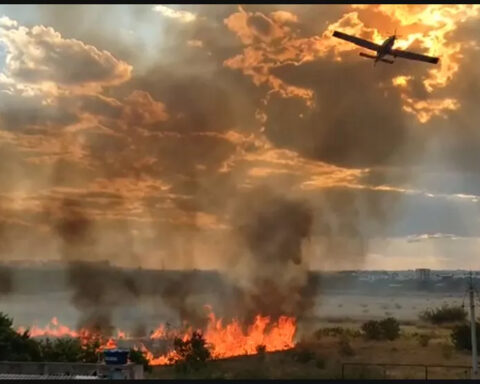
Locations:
{"points": [[169, 358], [53, 329], [56, 330], [224, 340], [121, 335], [230, 340]]}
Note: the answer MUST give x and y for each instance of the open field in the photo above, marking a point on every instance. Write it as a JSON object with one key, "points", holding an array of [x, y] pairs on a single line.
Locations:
{"points": [[150, 310], [346, 311], [317, 354], [322, 357]]}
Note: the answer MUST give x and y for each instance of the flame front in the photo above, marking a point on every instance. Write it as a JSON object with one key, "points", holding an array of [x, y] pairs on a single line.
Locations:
{"points": [[230, 340], [223, 340], [53, 329]]}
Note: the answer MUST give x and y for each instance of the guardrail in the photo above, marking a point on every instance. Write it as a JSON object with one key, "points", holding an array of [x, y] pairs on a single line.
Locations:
{"points": [[424, 366]]}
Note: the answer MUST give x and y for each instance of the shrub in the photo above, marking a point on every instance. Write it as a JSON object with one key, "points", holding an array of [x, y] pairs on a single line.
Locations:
{"points": [[345, 348], [461, 336], [372, 330], [68, 349], [15, 346], [424, 339], [64, 349], [193, 353], [21, 347], [303, 355], [444, 314], [336, 331], [138, 357], [387, 329], [390, 328]]}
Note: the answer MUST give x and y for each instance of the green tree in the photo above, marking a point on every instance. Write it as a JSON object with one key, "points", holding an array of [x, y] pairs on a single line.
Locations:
{"points": [[386, 329], [138, 357], [15, 346], [193, 352], [390, 328], [372, 330], [68, 349], [444, 314], [461, 336]]}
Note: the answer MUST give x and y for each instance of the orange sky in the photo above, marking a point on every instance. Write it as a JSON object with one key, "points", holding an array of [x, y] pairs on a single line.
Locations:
{"points": [[166, 131]]}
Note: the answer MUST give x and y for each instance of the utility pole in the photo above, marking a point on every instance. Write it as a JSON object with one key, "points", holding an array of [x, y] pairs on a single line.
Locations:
{"points": [[473, 328]]}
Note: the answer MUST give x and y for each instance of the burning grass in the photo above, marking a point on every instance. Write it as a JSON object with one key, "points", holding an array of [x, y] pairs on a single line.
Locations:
{"points": [[223, 339]]}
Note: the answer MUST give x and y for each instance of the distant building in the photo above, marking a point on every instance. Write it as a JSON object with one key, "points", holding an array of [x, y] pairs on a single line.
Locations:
{"points": [[423, 274]]}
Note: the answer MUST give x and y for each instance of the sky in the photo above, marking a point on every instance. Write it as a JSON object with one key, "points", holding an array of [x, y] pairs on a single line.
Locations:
{"points": [[191, 136]]}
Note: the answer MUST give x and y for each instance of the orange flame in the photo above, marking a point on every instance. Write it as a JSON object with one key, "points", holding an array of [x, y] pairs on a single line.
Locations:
{"points": [[223, 340], [230, 340], [53, 329]]}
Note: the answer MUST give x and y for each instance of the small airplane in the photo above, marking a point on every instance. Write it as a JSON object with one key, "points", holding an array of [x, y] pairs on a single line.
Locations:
{"points": [[385, 49]]}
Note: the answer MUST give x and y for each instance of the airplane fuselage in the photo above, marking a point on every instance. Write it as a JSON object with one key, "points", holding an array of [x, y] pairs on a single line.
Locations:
{"points": [[385, 48]]}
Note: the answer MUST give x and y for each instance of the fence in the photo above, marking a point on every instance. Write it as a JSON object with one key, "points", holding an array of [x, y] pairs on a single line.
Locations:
{"points": [[466, 370], [128, 371]]}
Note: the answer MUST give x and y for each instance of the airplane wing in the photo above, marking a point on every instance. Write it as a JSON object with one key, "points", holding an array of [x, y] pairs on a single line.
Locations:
{"points": [[414, 56], [356, 40]]}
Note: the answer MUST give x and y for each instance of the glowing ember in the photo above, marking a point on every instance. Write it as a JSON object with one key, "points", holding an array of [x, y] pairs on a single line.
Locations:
{"points": [[223, 340]]}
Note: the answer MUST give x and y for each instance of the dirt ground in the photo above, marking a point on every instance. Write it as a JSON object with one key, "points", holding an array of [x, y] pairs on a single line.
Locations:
{"points": [[345, 310], [320, 356]]}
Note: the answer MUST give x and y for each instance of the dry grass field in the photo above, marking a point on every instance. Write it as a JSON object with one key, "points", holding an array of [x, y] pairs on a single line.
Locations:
{"points": [[321, 356]]}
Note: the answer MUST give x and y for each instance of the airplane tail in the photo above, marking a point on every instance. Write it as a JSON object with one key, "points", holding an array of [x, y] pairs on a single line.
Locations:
{"points": [[387, 61], [366, 55]]}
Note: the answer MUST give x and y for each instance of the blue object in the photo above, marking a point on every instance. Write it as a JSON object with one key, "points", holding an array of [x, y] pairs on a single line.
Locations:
{"points": [[115, 356]]}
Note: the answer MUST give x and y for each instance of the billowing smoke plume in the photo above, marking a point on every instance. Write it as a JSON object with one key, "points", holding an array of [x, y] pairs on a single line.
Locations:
{"points": [[96, 290], [162, 151], [6, 283], [271, 275]]}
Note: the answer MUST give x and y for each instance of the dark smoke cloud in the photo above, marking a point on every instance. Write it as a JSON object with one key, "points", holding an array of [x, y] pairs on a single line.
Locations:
{"points": [[6, 281], [271, 275], [96, 290], [352, 123], [357, 121]]}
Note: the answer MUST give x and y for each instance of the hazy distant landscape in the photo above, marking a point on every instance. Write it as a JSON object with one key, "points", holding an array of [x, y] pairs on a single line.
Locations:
{"points": [[39, 293], [330, 333]]}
